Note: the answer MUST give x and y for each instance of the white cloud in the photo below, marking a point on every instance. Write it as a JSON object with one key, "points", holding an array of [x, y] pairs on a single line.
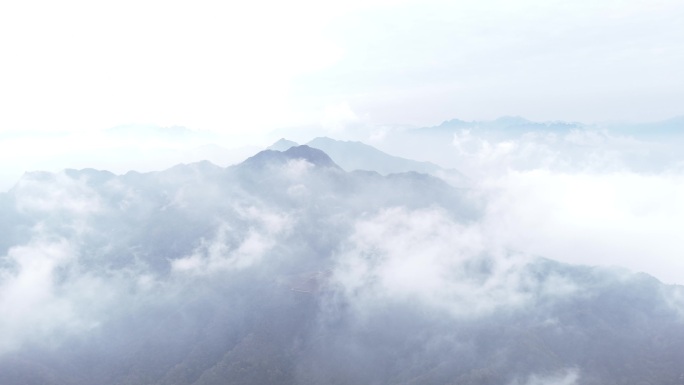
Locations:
{"points": [[424, 256], [236, 248], [52, 193], [568, 377], [296, 168], [336, 117], [218, 254], [622, 219], [590, 196], [35, 306]]}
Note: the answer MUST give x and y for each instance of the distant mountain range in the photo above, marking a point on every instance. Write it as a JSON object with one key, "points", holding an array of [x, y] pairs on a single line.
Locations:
{"points": [[303, 266], [354, 155], [512, 127], [510, 124]]}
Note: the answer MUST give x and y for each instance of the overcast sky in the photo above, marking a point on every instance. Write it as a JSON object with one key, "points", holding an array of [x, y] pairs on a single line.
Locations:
{"points": [[71, 69], [249, 67]]}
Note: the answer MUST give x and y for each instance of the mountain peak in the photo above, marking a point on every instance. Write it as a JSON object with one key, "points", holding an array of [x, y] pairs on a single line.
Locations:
{"points": [[352, 155], [311, 155], [282, 145]]}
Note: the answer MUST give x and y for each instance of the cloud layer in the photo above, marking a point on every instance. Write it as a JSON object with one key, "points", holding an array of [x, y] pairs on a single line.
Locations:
{"points": [[589, 195]]}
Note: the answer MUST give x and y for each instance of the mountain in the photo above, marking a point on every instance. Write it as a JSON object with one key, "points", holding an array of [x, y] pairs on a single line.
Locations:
{"points": [[359, 156], [352, 156], [500, 128], [282, 145], [663, 130], [288, 269], [305, 153]]}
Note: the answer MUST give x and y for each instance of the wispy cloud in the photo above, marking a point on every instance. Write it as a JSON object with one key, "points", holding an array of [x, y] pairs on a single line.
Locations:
{"points": [[590, 195], [423, 256], [236, 248], [569, 377]]}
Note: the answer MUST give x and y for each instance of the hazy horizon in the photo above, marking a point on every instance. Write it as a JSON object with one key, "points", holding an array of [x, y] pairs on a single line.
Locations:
{"points": [[483, 184], [244, 69]]}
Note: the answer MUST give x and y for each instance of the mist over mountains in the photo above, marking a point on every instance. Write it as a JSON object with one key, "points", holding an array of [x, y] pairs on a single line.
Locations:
{"points": [[300, 266], [355, 155], [349, 192]]}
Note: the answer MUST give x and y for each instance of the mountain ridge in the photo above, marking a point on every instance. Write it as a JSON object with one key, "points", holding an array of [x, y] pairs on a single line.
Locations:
{"points": [[287, 269]]}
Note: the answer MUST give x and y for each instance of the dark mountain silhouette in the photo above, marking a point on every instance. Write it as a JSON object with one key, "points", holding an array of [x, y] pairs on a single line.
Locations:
{"points": [[312, 155], [286, 269]]}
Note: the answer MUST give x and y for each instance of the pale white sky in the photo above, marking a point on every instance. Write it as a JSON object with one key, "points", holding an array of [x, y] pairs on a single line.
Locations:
{"points": [[71, 69], [249, 67]]}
